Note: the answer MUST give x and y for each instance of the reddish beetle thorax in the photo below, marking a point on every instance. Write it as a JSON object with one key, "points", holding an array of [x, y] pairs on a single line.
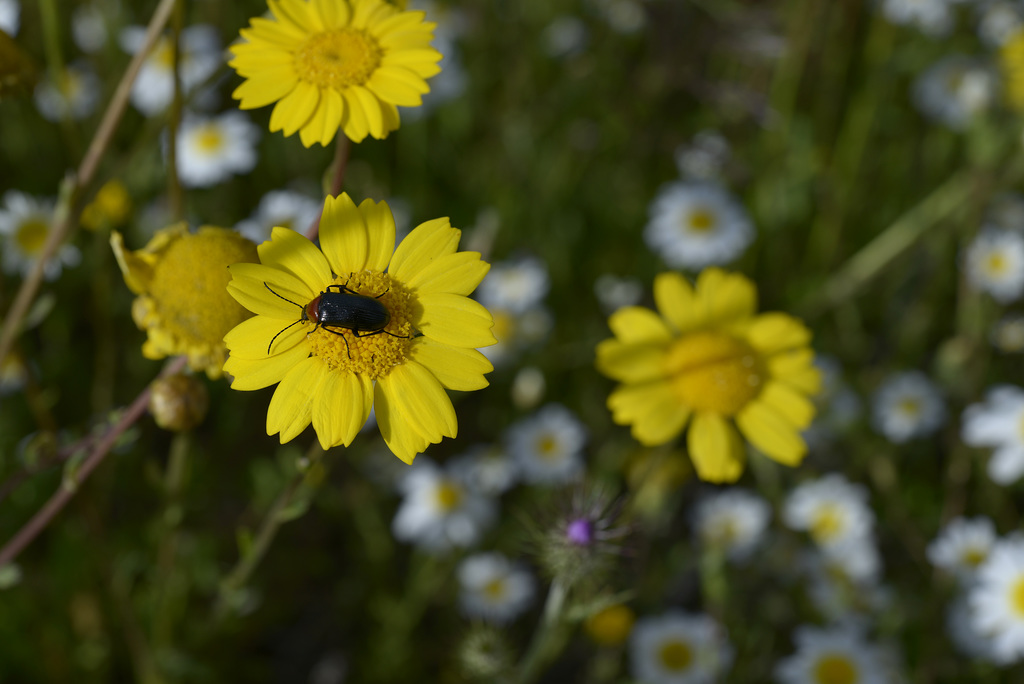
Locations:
{"points": [[312, 310]]}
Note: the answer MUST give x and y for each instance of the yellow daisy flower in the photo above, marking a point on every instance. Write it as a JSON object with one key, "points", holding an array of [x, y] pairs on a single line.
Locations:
{"points": [[331, 64], [710, 362], [331, 374], [1011, 57], [181, 281]]}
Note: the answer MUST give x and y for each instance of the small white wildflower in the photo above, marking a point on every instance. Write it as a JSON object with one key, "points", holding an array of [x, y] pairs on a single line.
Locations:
{"points": [[831, 655], [693, 225], [933, 17], [548, 446], [997, 600], [954, 90], [1007, 334], [734, 520], [833, 510], [528, 387], [994, 263], [211, 150], [704, 159], [10, 17], [906, 406], [962, 545], [998, 422], [487, 469], [493, 588], [679, 648], [200, 56], [441, 509], [280, 208], [614, 292], [25, 224], [998, 21], [73, 95], [89, 28], [515, 285]]}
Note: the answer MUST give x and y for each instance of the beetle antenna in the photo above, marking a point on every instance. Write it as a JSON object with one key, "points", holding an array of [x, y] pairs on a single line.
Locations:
{"points": [[279, 334], [284, 298]]}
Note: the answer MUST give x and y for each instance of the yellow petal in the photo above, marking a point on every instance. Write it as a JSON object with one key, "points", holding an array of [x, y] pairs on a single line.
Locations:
{"points": [[295, 109], [637, 324], [400, 437], [297, 14], [455, 368], [341, 407], [251, 338], [137, 271], [631, 363], [651, 408], [771, 433], [715, 448], [455, 320], [253, 295], [326, 120], [343, 236], [677, 302], [457, 273], [380, 230], [772, 333], [254, 374], [371, 108], [395, 85], [267, 33], [291, 407], [791, 405], [269, 87], [333, 14], [426, 242], [294, 253], [283, 283], [420, 398], [725, 297], [353, 120], [423, 62]]}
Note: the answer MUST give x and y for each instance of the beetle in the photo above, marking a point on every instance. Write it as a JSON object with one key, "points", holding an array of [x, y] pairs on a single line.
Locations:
{"points": [[341, 307]]}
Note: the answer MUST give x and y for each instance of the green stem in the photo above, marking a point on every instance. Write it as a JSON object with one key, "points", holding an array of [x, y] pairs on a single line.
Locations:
{"points": [[174, 191], [550, 638], [170, 519]]}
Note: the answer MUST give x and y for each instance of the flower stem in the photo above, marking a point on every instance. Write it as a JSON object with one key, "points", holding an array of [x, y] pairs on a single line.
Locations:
{"points": [[63, 222], [70, 484], [174, 191], [550, 638], [338, 167]]}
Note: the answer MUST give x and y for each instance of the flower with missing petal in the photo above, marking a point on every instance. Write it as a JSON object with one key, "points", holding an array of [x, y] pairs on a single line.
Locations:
{"points": [[707, 360], [331, 375], [330, 64]]}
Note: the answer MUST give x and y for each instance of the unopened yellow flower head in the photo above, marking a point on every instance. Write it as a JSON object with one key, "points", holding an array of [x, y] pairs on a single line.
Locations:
{"points": [[332, 373], [707, 363], [610, 626], [181, 281], [1011, 58], [330, 64], [109, 209]]}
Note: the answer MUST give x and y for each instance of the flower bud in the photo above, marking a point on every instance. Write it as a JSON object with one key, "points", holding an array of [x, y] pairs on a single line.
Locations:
{"points": [[178, 402]]}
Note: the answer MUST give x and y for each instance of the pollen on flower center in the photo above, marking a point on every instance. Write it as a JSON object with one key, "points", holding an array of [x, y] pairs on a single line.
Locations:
{"points": [[338, 59], [209, 139], [31, 236], [996, 264], [675, 656], [375, 354], [495, 589], [835, 669], [449, 496], [1017, 596], [827, 524], [714, 372], [701, 221]]}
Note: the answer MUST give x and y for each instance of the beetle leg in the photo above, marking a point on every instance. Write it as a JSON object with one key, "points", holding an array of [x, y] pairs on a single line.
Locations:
{"points": [[342, 336]]}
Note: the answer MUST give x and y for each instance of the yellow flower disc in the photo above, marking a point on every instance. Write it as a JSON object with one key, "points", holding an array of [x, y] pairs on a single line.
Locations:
{"points": [[338, 59], [675, 656], [835, 669], [714, 372]]}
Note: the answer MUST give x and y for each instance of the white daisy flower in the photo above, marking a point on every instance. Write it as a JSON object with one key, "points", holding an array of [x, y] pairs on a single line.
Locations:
{"points": [[734, 520], [73, 95], [280, 208], [907, 405], [966, 639], [211, 150], [824, 656], [441, 509], [200, 57], [833, 510], [10, 17], [954, 90], [25, 223], [693, 225], [493, 588], [1007, 334], [516, 332], [515, 285], [933, 17], [844, 582], [998, 21], [89, 28], [548, 446], [998, 423], [704, 159], [679, 648], [962, 545], [994, 263], [614, 292], [487, 469], [997, 600]]}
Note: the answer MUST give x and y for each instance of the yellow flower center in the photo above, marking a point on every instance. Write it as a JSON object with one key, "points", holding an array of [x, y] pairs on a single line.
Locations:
{"points": [[835, 669], [163, 54], [996, 264], [371, 354], [449, 495], [338, 59], [675, 656], [611, 626], [209, 138], [1017, 596], [973, 557], [701, 221], [547, 447], [910, 408], [31, 236], [827, 523], [189, 286], [495, 589], [714, 372]]}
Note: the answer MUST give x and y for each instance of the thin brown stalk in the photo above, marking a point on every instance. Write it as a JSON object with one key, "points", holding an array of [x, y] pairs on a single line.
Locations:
{"points": [[338, 167]]}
